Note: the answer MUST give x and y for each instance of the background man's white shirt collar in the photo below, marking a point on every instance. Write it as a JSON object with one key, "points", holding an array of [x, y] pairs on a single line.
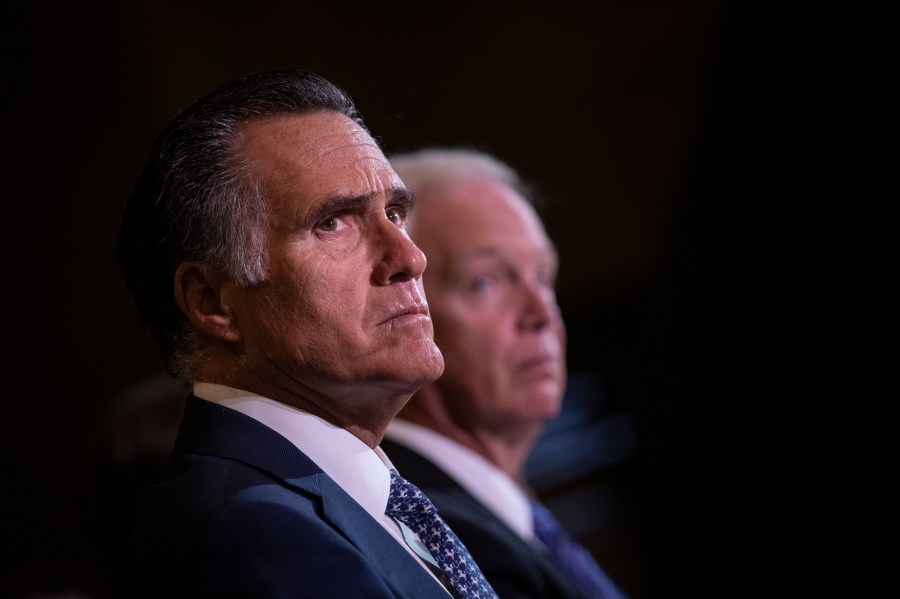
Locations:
{"points": [[487, 483]]}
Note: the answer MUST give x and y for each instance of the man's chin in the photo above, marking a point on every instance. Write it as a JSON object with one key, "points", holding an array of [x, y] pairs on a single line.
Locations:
{"points": [[547, 403], [426, 364]]}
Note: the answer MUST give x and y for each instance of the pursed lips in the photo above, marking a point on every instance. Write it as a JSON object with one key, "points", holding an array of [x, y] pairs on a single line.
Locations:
{"points": [[548, 362], [412, 310]]}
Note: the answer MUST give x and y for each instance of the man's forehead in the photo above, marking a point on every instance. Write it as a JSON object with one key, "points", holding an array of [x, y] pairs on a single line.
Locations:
{"points": [[504, 252], [323, 154], [308, 138], [461, 230]]}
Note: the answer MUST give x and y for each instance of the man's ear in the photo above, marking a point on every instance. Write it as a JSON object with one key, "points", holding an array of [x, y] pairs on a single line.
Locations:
{"points": [[198, 291]]}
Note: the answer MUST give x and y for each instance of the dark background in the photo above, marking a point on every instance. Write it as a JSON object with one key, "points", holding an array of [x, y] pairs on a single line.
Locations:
{"points": [[658, 132]]}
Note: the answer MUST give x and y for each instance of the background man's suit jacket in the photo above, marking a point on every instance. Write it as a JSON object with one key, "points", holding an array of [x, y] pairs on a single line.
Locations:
{"points": [[244, 513], [514, 568]]}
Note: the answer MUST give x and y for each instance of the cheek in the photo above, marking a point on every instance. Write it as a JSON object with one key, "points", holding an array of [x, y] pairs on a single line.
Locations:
{"points": [[319, 286], [561, 339], [560, 327], [471, 348], [292, 318]]}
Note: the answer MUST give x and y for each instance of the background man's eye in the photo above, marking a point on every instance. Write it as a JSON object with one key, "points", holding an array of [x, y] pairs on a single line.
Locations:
{"points": [[329, 224], [481, 283], [394, 216]]}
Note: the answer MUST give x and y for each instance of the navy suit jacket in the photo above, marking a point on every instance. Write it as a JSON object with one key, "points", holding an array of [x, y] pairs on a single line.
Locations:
{"points": [[515, 569], [244, 513]]}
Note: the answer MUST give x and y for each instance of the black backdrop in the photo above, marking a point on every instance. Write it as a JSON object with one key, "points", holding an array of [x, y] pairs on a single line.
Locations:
{"points": [[656, 131]]}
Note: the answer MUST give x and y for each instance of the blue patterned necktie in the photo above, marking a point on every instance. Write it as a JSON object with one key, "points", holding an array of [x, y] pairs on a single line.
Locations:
{"points": [[572, 557], [410, 506]]}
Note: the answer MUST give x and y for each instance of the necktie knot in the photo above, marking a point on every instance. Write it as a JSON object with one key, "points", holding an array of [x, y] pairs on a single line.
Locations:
{"points": [[407, 501], [410, 506]]}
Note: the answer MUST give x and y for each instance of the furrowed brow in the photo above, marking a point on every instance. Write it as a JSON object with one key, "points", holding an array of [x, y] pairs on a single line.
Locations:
{"points": [[404, 197], [338, 205]]}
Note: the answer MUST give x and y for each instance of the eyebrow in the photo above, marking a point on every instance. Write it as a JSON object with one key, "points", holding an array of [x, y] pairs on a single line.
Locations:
{"points": [[497, 253], [341, 204], [404, 197]]}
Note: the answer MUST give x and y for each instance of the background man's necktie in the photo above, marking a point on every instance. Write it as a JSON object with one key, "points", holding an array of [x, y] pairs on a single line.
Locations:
{"points": [[572, 557], [410, 506]]}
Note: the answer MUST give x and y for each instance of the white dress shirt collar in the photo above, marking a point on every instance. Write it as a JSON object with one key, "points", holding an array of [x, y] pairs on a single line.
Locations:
{"points": [[359, 470], [487, 483], [364, 473]]}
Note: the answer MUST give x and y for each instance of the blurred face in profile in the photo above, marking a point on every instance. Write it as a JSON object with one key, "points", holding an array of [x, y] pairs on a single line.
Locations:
{"points": [[490, 286], [341, 316]]}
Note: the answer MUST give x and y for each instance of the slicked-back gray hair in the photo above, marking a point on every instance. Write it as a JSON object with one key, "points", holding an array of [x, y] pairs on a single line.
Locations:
{"points": [[197, 200]]}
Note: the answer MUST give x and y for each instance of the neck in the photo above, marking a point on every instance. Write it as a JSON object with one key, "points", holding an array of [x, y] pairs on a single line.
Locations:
{"points": [[506, 445], [363, 410]]}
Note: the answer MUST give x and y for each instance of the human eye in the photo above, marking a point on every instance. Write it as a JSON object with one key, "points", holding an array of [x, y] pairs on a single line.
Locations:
{"points": [[396, 215], [330, 224], [482, 283]]}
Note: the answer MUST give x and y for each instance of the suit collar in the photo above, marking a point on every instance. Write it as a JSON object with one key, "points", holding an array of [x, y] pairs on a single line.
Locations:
{"points": [[215, 430], [468, 516], [211, 429]]}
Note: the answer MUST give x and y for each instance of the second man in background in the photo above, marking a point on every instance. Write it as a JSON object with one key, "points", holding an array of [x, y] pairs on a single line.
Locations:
{"points": [[464, 439]]}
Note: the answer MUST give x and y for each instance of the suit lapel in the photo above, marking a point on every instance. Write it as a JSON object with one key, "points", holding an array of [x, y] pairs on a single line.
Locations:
{"points": [[457, 504], [392, 560], [211, 429]]}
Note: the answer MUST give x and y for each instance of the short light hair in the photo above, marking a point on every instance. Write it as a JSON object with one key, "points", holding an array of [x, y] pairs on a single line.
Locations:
{"points": [[430, 167]]}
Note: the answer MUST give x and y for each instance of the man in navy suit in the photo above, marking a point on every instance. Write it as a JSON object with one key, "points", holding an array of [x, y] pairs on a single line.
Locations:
{"points": [[265, 247], [464, 438]]}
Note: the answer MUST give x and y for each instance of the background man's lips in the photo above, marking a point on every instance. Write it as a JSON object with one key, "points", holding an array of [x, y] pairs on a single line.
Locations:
{"points": [[545, 361]]}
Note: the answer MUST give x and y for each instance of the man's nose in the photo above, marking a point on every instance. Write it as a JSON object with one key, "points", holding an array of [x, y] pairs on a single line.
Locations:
{"points": [[540, 309], [397, 257]]}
